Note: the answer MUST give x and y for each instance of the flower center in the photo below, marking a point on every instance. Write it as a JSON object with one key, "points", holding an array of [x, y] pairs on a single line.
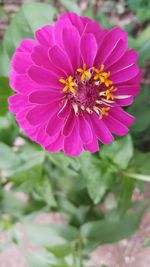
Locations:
{"points": [[89, 90]]}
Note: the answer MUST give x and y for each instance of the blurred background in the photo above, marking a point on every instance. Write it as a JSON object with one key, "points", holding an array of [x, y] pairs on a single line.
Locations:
{"points": [[58, 211]]}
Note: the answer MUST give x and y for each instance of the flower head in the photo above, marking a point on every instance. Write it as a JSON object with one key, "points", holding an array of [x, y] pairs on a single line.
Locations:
{"points": [[70, 85]]}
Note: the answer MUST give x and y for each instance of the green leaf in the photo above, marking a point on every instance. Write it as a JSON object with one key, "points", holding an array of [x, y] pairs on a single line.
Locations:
{"points": [[71, 6], [141, 163], [8, 129], [98, 176], [140, 109], [119, 152], [30, 17], [110, 231], [4, 69], [11, 205], [144, 53], [141, 177], [125, 195], [5, 92]]}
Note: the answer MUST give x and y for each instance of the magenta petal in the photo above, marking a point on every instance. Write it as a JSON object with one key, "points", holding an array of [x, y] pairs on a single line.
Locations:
{"points": [[125, 74], [40, 56], [44, 113], [132, 90], [26, 45], [72, 143], [21, 61], [115, 126], [93, 146], [122, 116], [57, 145], [60, 60], [75, 20], [101, 130], [23, 84], [43, 77], [88, 48], [85, 130], [129, 58], [94, 28], [65, 110], [45, 35], [109, 44], [71, 40], [44, 97], [17, 102], [125, 102], [116, 54], [70, 121], [60, 25], [54, 125]]}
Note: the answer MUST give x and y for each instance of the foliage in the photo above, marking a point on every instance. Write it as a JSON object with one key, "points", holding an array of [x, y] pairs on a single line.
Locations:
{"points": [[77, 188]]}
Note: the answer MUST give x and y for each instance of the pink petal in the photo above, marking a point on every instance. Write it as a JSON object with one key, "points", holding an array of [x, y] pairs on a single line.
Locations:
{"points": [[44, 97], [85, 130], [40, 56], [41, 113], [125, 74], [115, 126], [23, 84], [72, 143], [21, 61], [88, 48], [128, 59], [44, 77], [17, 102], [75, 20], [61, 60], [116, 54], [54, 125], [94, 28], [101, 130], [45, 35], [135, 80], [26, 45], [93, 146], [65, 110], [122, 116], [57, 145], [124, 102], [109, 44], [60, 25], [43, 138], [71, 40], [132, 90], [70, 121]]}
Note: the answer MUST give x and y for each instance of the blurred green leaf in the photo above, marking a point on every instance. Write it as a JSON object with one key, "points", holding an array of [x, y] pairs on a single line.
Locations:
{"points": [[140, 110], [71, 6], [4, 69], [8, 129], [141, 8], [98, 176], [10, 204], [5, 92], [119, 152], [30, 17], [109, 231]]}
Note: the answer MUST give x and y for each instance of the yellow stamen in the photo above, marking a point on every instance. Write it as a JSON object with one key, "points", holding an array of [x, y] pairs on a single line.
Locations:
{"points": [[85, 72], [104, 111], [109, 92], [69, 84], [102, 76]]}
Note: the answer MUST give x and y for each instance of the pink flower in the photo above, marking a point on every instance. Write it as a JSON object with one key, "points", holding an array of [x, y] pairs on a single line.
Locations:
{"points": [[70, 84]]}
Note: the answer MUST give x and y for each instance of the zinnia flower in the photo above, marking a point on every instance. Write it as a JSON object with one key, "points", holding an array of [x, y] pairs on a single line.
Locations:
{"points": [[70, 85]]}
